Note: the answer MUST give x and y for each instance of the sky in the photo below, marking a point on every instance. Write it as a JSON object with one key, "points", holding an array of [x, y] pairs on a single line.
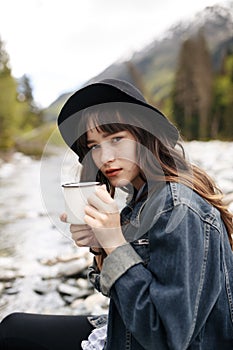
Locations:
{"points": [[60, 44]]}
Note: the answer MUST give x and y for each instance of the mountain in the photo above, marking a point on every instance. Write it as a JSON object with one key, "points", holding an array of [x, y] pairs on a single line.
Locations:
{"points": [[155, 64]]}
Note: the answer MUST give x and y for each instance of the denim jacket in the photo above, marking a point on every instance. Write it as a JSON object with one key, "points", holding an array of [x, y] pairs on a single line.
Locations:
{"points": [[171, 286]]}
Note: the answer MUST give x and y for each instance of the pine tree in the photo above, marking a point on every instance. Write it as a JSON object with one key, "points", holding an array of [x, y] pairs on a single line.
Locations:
{"points": [[31, 115], [192, 92], [25, 89], [184, 92], [203, 75], [222, 125]]}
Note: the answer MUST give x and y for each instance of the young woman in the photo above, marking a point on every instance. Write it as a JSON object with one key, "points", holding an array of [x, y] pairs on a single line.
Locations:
{"points": [[166, 259]]}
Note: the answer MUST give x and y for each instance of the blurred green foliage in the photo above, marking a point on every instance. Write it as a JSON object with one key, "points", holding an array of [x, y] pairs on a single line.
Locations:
{"points": [[18, 112]]}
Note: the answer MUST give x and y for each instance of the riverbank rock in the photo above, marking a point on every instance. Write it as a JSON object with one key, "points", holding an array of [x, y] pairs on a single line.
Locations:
{"points": [[9, 275], [95, 304], [71, 268]]}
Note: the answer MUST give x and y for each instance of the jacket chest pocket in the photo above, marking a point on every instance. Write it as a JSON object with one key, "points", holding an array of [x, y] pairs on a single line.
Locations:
{"points": [[142, 247]]}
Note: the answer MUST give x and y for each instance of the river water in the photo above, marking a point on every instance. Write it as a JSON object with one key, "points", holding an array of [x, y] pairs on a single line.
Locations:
{"points": [[30, 230], [31, 201]]}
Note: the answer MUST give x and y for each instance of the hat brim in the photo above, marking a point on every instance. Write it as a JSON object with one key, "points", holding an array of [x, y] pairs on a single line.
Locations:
{"points": [[104, 93]]}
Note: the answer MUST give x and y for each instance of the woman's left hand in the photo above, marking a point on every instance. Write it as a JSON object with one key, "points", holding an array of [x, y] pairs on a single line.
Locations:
{"points": [[102, 214]]}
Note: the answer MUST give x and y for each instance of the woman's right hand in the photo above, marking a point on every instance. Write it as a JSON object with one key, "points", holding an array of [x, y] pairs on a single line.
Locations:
{"points": [[82, 235]]}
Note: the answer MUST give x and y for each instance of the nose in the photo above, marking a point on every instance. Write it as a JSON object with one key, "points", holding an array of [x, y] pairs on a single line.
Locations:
{"points": [[107, 153]]}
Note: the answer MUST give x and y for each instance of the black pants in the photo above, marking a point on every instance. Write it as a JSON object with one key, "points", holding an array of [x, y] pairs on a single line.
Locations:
{"points": [[24, 331]]}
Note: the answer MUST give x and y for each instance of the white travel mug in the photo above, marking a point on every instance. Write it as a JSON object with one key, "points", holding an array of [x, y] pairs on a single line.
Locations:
{"points": [[76, 195]]}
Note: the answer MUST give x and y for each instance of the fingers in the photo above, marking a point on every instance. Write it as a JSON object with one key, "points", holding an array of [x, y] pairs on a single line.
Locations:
{"points": [[103, 194], [94, 213], [102, 201], [63, 217], [80, 233], [83, 236], [83, 242], [79, 228], [86, 241], [92, 221]]}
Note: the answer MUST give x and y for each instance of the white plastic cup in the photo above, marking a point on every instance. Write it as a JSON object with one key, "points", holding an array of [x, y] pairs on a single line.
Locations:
{"points": [[76, 195]]}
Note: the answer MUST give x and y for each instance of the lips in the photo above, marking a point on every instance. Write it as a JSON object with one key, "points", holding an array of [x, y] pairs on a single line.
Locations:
{"points": [[112, 172]]}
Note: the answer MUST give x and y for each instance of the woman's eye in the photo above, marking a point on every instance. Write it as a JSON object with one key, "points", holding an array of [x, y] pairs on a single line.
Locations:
{"points": [[93, 147], [117, 139]]}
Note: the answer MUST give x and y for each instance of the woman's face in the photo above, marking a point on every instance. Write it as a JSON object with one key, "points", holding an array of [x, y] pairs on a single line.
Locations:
{"points": [[116, 156]]}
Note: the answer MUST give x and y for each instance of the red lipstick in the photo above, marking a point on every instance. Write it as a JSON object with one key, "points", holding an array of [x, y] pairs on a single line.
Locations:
{"points": [[112, 172]]}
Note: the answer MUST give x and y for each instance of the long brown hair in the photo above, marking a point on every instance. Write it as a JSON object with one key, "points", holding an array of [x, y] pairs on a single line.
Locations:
{"points": [[158, 159]]}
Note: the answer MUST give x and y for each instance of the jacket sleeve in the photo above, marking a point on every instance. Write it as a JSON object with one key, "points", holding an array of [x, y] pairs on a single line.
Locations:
{"points": [[164, 303]]}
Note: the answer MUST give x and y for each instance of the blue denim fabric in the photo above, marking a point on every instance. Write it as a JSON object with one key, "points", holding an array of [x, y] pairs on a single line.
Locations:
{"points": [[171, 286]]}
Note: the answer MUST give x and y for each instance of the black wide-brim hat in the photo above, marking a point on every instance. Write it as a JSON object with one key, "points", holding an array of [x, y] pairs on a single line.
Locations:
{"points": [[111, 91]]}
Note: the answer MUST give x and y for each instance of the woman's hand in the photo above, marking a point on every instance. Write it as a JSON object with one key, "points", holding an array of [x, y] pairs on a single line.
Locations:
{"points": [[82, 235], [102, 215]]}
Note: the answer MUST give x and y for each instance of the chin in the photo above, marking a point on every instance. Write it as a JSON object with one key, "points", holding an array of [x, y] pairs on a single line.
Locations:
{"points": [[120, 182]]}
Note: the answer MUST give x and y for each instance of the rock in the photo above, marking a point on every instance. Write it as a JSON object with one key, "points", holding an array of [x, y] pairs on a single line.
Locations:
{"points": [[70, 293], [8, 263], [83, 283], [11, 291], [52, 301], [71, 268], [82, 253], [9, 284], [76, 304], [78, 307], [2, 286], [69, 290], [44, 287], [96, 303], [9, 275], [3, 303]]}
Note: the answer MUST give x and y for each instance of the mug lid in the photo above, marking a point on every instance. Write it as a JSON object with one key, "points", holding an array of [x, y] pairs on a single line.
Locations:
{"points": [[80, 184]]}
